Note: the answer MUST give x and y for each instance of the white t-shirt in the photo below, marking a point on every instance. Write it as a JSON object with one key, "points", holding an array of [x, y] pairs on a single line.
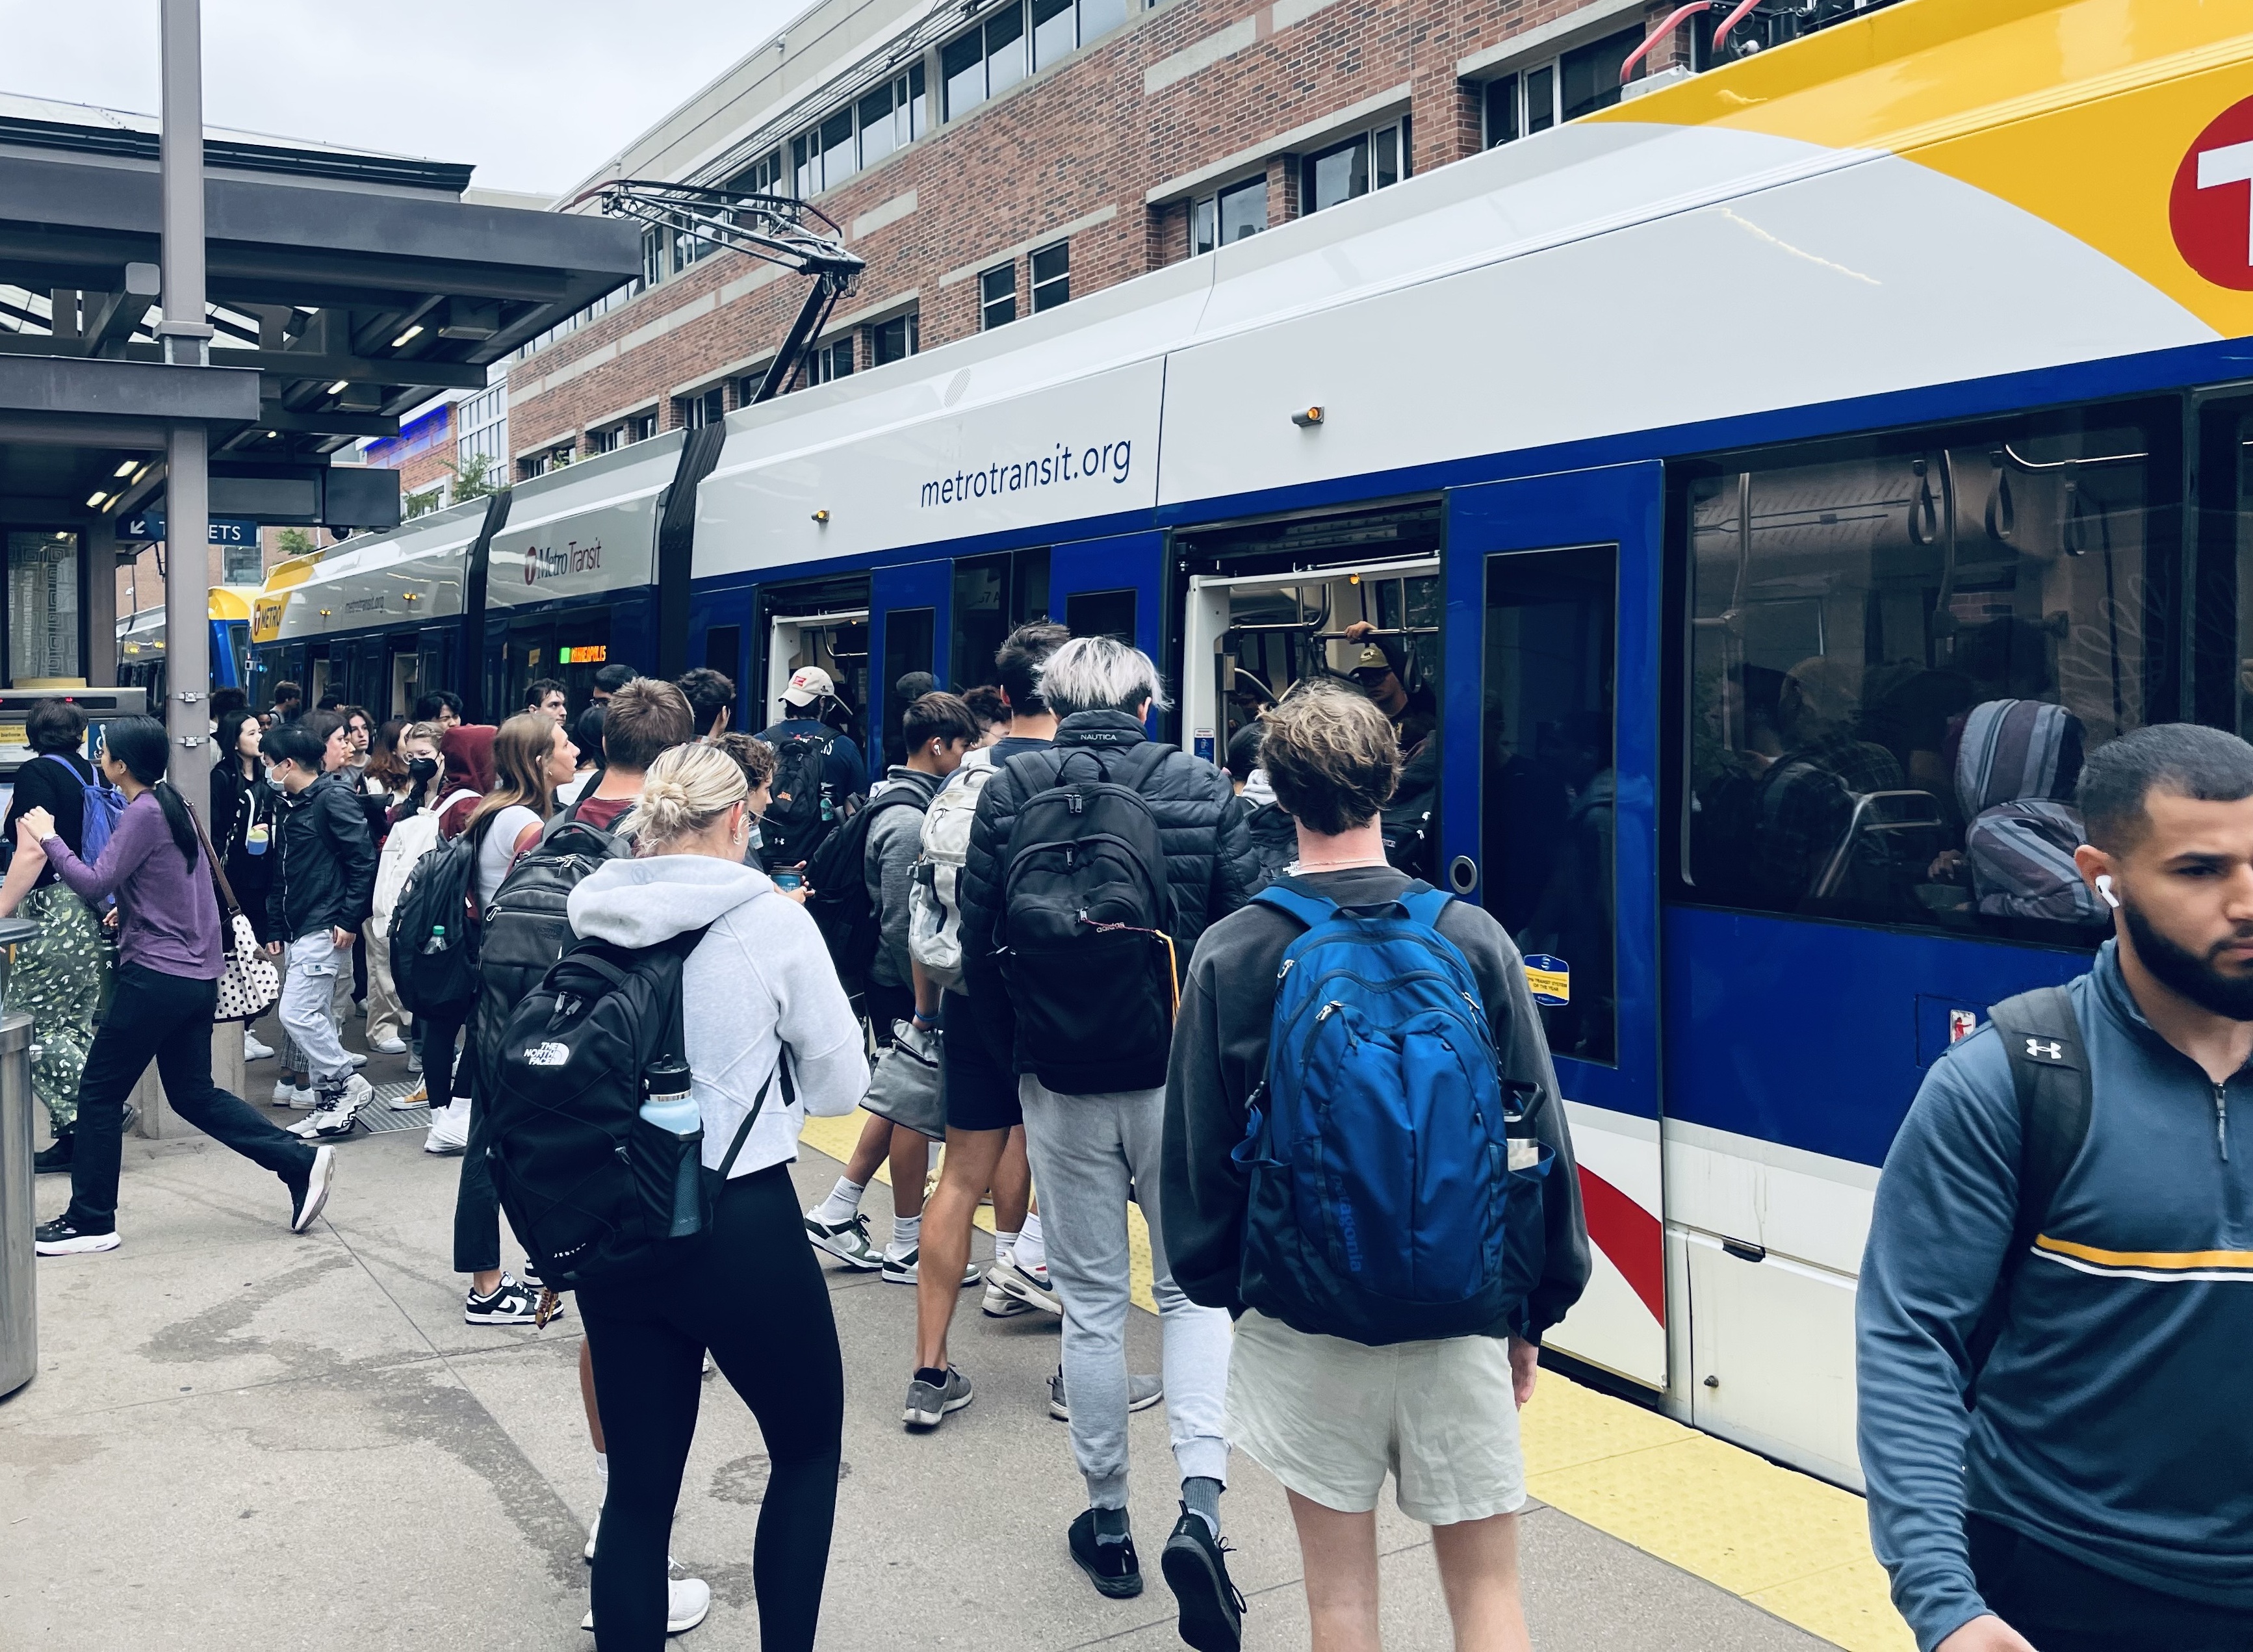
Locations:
{"points": [[497, 853]]}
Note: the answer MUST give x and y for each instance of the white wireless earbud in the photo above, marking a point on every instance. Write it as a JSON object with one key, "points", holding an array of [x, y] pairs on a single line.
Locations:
{"points": [[2105, 890]]}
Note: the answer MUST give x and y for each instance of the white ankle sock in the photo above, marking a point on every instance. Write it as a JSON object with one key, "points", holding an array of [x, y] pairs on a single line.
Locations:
{"points": [[1003, 1243], [843, 1202], [603, 1466], [1030, 1251], [907, 1234]]}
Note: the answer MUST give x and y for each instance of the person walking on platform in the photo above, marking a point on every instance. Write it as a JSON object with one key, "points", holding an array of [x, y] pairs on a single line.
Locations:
{"points": [[2057, 1296], [60, 973], [757, 992], [323, 881], [171, 957], [1089, 864], [1326, 1401]]}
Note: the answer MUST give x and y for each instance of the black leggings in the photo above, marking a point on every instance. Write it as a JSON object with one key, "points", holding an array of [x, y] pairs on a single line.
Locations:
{"points": [[754, 1296]]}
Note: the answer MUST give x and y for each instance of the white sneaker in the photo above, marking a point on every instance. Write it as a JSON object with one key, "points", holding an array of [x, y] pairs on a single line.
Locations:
{"points": [[450, 1130], [252, 1050], [902, 1267], [337, 1118], [1030, 1286], [392, 1046], [686, 1600], [289, 1095], [999, 1305], [357, 1060]]}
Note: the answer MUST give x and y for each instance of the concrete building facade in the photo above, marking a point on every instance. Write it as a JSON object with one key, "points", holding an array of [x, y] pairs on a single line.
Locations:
{"points": [[994, 160]]}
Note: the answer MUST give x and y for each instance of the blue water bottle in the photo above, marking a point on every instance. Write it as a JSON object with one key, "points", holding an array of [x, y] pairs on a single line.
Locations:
{"points": [[673, 1109]]}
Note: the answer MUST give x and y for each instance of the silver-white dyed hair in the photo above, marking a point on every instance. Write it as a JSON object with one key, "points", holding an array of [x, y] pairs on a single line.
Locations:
{"points": [[1101, 673]]}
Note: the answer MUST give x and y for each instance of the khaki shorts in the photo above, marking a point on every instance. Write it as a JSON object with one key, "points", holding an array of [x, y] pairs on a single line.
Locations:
{"points": [[1329, 1418]]}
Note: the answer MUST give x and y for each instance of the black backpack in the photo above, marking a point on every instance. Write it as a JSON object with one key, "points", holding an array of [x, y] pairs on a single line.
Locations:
{"points": [[1085, 911], [2049, 1073], [527, 926], [799, 813], [434, 930], [838, 889], [588, 1185]]}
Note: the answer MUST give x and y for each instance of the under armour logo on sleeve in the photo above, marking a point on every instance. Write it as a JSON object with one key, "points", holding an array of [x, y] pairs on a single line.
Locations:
{"points": [[2045, 1049]]}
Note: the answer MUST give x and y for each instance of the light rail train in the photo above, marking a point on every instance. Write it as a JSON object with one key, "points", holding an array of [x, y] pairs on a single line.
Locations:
{"points": [[1722, 461], [141, 643]]}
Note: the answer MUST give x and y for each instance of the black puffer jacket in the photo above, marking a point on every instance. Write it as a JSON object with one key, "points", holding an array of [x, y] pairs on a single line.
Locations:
{"points": [[1211, 869], [325, 862]]}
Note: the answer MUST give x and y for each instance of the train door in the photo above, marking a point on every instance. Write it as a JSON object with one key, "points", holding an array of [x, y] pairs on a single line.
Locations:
{"points": [[435, 653], [993, 595], [717, 636], [907, 633], [1109, 588], [1548, 820], [822, 623]]}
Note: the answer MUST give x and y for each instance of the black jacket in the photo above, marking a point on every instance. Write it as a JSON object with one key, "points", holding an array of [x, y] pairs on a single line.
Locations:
{"points": [[323, 861], [1211, 869], [1220, 1057]]}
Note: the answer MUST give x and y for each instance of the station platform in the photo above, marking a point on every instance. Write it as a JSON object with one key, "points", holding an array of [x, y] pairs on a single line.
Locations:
{"points": [[243, 1440]]}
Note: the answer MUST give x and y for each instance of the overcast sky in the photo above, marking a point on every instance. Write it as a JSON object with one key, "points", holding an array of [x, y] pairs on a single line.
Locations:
{"points": [[534, 93]]}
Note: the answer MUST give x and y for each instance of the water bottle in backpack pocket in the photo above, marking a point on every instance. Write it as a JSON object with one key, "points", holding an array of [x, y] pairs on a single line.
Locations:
{"points": [[665, 1148], [1389, 1201]]}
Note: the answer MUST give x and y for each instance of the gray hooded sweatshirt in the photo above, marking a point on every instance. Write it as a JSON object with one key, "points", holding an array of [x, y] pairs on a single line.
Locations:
{"points": [[760, 979]]}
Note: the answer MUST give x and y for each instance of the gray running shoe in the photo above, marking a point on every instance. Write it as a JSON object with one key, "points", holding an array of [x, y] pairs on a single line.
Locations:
{"points": [[929, 1402], [1142, 1392]]}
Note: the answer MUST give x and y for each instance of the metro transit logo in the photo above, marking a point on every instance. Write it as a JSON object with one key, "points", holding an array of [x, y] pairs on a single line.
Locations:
{"points": [[2210, 208], [553, 561]]}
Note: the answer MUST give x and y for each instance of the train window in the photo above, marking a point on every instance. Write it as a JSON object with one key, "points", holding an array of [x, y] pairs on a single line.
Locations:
{"points": [[1100, 614], [992, 597], [1900, 649], [910, 636], [42, 606], [724, 651], [1547, 788]]}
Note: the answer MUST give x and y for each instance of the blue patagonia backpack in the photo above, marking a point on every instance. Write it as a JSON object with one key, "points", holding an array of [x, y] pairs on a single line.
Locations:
{"points": [[1384, 1207]]}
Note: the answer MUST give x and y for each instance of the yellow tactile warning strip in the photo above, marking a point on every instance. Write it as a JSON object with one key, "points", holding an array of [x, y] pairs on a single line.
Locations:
{"points": [[1788, 1543], [837, 1138]]}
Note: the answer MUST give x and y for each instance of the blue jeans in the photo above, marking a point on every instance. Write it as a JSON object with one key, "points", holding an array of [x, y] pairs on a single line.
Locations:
{"points": [[169, 1019]]}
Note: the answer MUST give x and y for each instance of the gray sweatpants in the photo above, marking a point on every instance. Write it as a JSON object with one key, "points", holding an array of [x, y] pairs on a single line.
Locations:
{"points": [[1086, 1152]]}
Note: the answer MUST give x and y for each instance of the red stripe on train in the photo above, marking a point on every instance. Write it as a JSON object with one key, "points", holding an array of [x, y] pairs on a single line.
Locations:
{"points": [[1631, 1235]]}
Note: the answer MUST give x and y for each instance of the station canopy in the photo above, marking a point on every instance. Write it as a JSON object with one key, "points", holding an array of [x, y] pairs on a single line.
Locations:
{"points": [[344, 288]]}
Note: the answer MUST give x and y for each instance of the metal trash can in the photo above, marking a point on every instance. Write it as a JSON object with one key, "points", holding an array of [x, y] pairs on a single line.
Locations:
{"points": [[19, 1285]]}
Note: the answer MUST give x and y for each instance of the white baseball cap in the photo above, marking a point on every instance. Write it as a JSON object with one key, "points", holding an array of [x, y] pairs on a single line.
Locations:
{"points": [[807, 684]]}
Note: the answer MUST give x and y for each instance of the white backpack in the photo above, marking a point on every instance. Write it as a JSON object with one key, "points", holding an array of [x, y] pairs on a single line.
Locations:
{"points": [[934, 907], [409, 841]]}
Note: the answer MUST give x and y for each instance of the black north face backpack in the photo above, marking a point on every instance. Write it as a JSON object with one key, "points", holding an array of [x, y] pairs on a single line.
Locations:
{"points": [[1085, 914], [527, 926], [434, 930], [587, 1184]]}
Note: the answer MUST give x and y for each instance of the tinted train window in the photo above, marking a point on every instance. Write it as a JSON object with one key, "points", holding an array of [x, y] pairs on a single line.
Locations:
{"points": [[1899, 651]]}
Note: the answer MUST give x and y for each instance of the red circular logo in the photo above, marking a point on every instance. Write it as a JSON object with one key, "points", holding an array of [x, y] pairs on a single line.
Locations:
{"points": [[2211, 205]]}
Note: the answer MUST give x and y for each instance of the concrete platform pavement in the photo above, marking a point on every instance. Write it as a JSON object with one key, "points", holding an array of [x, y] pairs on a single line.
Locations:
{"points": [[243, 1440]]}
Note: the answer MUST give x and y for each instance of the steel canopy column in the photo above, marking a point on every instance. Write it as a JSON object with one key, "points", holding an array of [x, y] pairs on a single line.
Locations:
{"points": [[185, 333]]}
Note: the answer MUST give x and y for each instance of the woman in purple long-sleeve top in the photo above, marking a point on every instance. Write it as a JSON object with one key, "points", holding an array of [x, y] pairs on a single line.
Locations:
{"points": [[169, 958]]}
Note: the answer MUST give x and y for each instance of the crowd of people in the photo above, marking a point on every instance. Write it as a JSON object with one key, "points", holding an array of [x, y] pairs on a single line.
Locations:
{"points": [[1097, 974]]}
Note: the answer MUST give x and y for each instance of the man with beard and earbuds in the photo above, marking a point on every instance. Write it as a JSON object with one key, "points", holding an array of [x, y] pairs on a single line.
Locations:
{"points": [[2056, 1303]]}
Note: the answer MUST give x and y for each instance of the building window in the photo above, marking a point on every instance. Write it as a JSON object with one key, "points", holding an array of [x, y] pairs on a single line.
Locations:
{"points": [[686, 249], [859, 134], [1061, 27], [832, 360], [653, 257], [600, 442], [893, 117], [540, 463], [1364, 162], [1051, 276], [624, 433], [706, 406], [747, 387], [997, 296], [1541, 95], [984, 62], [893, 341], [761, 177], [483, 421], [1229, 216]]}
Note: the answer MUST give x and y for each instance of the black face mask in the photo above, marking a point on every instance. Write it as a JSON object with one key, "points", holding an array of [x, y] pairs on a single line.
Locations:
{"points": [[423, 767], [2181, 971]]}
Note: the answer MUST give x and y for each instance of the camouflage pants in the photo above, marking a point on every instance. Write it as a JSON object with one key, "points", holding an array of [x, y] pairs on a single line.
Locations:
{"points": [[59, 977]]}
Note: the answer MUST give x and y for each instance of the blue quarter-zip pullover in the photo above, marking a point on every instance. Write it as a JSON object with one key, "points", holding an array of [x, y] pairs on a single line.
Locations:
{"points": [[2114, 1420]]}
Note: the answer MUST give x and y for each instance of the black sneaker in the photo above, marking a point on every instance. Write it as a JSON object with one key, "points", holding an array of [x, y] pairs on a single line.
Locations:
{"points": [[1111, 1567], [55, 1158], [58, 1237], [1197, 1571], [510, 1304]]}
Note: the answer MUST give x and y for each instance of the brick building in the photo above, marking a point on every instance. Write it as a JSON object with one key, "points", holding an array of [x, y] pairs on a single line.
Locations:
{"points": [[988, 161]]}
